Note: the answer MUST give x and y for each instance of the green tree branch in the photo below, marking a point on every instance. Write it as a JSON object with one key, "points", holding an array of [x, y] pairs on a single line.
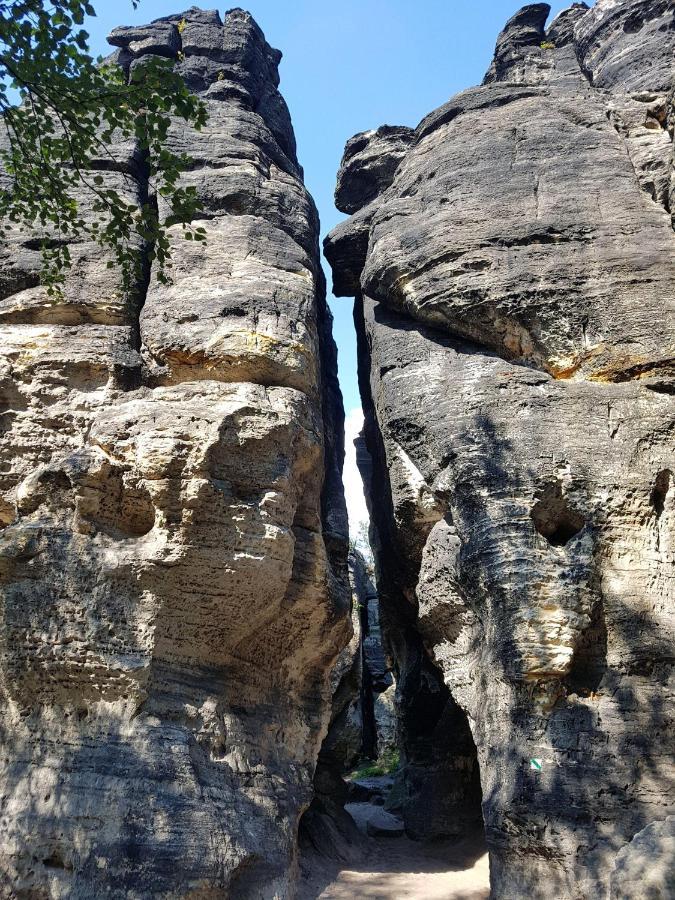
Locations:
{"points": [[71, 112]]}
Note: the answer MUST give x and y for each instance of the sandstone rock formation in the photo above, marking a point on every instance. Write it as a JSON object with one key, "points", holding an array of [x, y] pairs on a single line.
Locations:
{"points": [[172, 529], [378, 725], [362, 727], [326, 829], [515, 285], [644, 867]]}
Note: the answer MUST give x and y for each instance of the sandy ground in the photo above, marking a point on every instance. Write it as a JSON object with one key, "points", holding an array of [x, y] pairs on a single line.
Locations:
{"points": [[401, 869]]}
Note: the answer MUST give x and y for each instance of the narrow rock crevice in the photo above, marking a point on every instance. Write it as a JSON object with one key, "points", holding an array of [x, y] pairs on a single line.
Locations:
{"points": [[369, 744], [439, 792]]}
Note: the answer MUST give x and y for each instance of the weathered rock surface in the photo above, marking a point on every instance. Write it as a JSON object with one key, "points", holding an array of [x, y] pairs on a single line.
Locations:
{"points": [[375, 673], [515, 284], [644, 868], [172, 529], [326, 830], [384, 714], [369, 164]]}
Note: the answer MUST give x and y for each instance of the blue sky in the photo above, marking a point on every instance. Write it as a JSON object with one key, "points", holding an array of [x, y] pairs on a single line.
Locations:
{"points": [[351, 65]]}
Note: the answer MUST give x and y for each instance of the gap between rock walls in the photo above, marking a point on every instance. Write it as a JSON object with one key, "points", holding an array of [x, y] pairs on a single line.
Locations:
{"points": [[522, 563], [205, 691]]}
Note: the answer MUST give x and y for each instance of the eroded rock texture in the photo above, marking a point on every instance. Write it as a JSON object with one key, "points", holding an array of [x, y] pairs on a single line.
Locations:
{"points": [[327, 830], [172, 529], [515, 283]]}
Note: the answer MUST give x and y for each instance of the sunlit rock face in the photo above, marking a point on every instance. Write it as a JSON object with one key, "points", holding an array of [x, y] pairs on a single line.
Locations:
{"points": [[172, 529], [515, 284]]}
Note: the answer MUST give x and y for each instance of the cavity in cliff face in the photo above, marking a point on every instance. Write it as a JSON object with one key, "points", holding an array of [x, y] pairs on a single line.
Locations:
{"points": [[172, 527], [513, 263]]}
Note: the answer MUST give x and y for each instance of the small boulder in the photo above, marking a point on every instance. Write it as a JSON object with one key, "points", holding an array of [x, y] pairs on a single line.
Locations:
{"points": [[383, 824]]}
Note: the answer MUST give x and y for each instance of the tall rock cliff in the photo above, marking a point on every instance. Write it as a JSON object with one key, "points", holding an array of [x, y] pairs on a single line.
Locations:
{"points": [[513, 262], [173, 575]]}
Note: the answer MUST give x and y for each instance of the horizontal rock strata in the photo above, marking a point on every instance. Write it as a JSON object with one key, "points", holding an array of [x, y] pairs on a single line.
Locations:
{"points": [[172, 529], [515, 285]]}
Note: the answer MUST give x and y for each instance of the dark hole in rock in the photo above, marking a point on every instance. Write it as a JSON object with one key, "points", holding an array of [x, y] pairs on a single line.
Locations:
{"points": [[554, 518], [633, 23], [58, 480], [56, 861], [124, 509], [13, 281], [55, 489], [660, 491], [590, 655], [49, 243]]}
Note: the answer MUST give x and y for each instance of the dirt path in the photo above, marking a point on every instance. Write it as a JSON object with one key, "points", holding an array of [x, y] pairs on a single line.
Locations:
{"points": [[396, 868]]}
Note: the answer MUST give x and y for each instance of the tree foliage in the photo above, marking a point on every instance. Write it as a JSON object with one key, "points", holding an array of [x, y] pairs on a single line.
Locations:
{"points": [[60, 135]]}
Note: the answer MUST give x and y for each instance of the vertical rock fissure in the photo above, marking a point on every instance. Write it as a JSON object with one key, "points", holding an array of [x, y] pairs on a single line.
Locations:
{"points": [[369, 746], [441, 791], [333, 507], [147, 250]]}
